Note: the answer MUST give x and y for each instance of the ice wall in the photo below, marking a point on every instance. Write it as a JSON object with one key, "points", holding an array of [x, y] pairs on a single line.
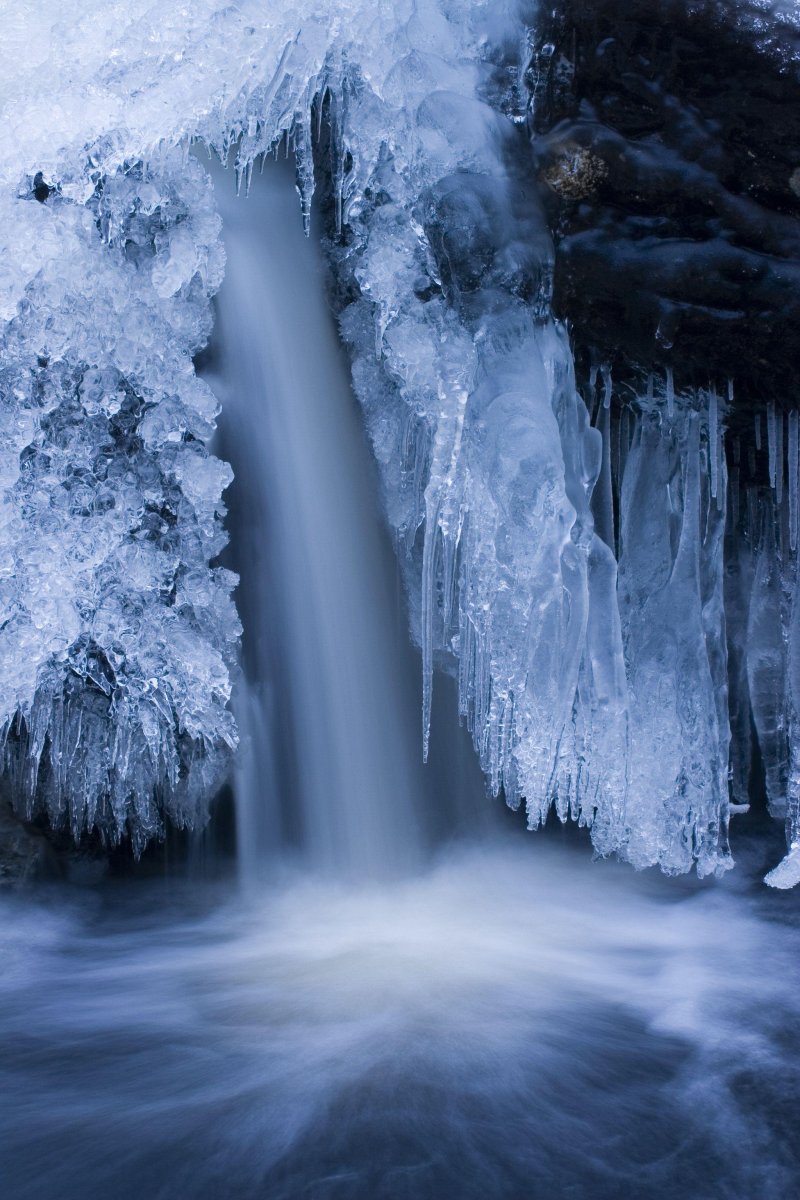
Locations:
{"points": [[606, 701], [116, 634], [563, 553]]}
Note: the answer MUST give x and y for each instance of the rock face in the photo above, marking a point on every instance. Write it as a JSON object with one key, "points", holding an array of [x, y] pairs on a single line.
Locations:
{"points": [[667, 136], [24, 854]]}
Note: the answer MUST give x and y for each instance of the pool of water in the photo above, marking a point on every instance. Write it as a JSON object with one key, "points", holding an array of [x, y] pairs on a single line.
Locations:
{"points": [[513, 1022]]}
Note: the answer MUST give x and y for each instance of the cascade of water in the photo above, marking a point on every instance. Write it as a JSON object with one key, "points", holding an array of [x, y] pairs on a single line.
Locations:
{"points": [[328, 752]]}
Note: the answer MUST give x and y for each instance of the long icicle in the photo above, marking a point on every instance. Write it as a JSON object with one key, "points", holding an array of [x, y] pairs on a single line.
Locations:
{"points": [[779, 467], [793, 452], [713, 440], [734, 487], [771, 438]]}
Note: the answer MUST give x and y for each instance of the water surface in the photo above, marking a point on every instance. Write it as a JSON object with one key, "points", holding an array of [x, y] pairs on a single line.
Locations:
{"points": [[515, 1022]]}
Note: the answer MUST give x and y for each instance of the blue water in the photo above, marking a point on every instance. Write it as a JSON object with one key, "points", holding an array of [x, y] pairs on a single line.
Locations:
{"points": [[513, 1022]]}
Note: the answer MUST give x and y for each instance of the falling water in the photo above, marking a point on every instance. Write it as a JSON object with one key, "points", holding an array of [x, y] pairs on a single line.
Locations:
{"points": [[329, 752]]}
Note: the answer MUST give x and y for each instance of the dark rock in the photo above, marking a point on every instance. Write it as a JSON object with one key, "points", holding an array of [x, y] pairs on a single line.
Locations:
{"points": [[668, 142], [25, 854]]}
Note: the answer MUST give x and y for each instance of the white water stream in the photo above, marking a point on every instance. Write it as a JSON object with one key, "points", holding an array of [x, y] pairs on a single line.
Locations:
{"points": [[322, 712]]}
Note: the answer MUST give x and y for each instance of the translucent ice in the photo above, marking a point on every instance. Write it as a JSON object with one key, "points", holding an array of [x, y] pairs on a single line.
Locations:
{"points": [[494, 479], [670, 597]]}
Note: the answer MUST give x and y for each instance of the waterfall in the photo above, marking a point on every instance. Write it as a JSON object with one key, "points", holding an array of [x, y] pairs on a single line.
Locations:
{"points": [[328, 745]]}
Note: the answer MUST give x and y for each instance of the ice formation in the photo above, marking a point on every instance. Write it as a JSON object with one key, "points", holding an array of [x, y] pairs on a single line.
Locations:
{"points": [[116, 634], [564, 556]]}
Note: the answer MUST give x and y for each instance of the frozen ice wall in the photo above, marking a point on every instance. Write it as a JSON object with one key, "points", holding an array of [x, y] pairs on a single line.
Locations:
{"points": [[563, 555], [603, 698], [116, 635], [487, 457]]}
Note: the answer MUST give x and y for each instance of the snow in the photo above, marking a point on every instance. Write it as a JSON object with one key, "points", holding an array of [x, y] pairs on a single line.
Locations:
{"points": [[787, 873]]}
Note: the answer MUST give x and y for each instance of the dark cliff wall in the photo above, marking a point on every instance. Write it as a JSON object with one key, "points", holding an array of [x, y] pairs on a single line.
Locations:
{"points": [[668, 135]]}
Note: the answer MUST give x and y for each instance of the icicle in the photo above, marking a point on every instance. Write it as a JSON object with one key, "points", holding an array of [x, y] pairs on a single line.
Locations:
{"points": [[713, 441], [602, 498], [771, 438], [605, 372], [624, 441], [779, 458], [754, 506], [793, 452], [650, 390], [735, 495], [428, 601], [766, 657], [449, 560], [670, 393], [324, 94], [752, 515], [758, 431], [591, 395], [751, 461]]}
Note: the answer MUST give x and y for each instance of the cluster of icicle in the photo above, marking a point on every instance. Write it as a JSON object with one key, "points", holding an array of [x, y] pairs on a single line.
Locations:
{"points": [[762, 602], [569, 571], [590, 656], [706, 596]]}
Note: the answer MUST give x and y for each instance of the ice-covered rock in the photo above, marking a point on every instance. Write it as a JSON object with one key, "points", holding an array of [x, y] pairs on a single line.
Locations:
{"points": [[787, 873], [117, 636]]}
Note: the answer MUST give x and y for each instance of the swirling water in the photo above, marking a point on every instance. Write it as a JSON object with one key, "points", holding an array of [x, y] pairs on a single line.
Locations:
{"points": [[512, 1022]]}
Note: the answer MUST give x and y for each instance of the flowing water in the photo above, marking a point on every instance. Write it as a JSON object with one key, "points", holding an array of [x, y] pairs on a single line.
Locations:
{"points": [[512, 1023], [499, 1019], [320, 709]]}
